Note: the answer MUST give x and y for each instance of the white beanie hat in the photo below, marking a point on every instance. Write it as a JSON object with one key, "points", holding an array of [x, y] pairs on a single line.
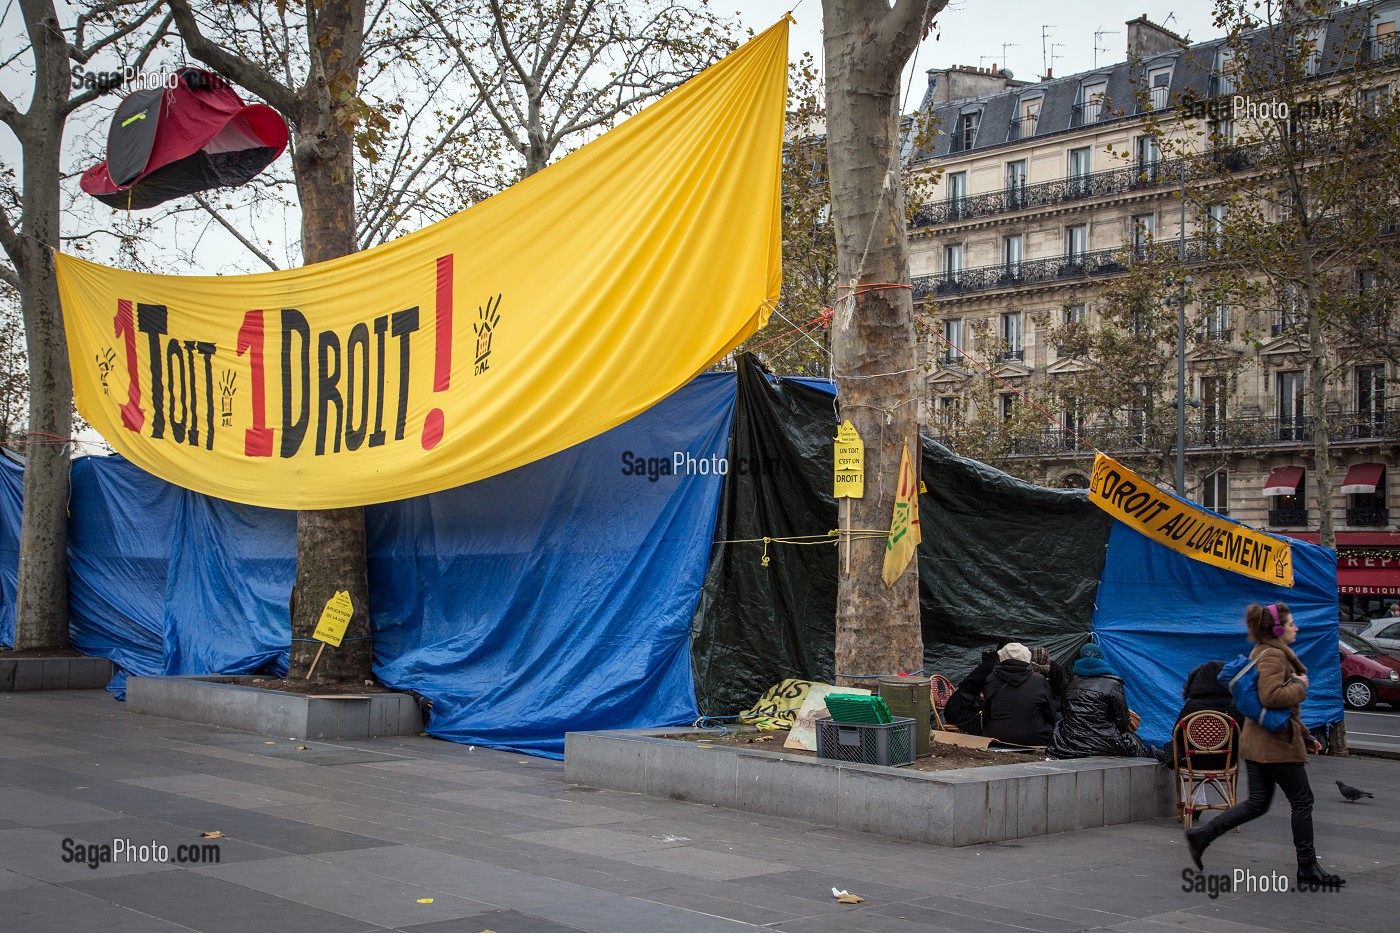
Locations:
{"points": [[1015, 652]]}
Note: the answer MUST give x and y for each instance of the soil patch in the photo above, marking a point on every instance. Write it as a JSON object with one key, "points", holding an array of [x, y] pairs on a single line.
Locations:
{"points": [[313, 688], [41, 653], [944, 757]]}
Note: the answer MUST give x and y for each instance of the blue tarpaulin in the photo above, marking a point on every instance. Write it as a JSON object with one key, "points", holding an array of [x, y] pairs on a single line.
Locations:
{"points": [[557, 596], [1159, 614]]}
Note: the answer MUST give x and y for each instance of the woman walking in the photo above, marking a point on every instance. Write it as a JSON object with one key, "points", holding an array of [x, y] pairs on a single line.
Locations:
{"points": [[1274, 758]]}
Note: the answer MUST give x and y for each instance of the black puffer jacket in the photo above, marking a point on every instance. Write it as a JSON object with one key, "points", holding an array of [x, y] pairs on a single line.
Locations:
{"points": [[1205, 691], [1018, 705], [964, 708], [1094, 720]]}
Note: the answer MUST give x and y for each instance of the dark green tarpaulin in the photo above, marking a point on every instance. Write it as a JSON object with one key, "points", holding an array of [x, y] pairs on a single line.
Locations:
{"points": [[999, 556]]}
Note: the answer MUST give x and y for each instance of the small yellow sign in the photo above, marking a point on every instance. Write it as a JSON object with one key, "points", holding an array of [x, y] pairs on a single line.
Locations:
{"points": [[850, 463], [335, 618]]}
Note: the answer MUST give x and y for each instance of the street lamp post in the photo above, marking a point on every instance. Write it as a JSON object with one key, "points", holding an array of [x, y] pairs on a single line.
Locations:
{"points": [[1181, 346]]}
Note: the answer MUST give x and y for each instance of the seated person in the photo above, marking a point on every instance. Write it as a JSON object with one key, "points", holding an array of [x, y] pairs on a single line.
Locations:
{"points": [[1094, 720], [1204, 691], [1018, 707], [964, 707], [1050, 669]]}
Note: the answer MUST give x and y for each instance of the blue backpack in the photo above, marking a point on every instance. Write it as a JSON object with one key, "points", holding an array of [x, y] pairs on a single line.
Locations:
{"points": [[1241, 676]]}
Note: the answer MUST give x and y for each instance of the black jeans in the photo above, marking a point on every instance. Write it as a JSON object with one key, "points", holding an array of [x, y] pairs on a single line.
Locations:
{"points": [[1293, 778]]}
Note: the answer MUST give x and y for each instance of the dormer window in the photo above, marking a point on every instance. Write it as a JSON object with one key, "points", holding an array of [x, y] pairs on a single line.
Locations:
{"points": [[965, 135], [1093, 98], [1027, 115], [1385, 42], [1310, 48], [1159, 82], [1223, 81]]}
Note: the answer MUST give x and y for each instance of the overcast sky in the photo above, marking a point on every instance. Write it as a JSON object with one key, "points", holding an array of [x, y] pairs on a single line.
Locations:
{"points": [[971, 32]]}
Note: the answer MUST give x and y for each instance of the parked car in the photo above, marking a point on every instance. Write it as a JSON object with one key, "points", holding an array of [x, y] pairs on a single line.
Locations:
{"points": [[1368, 674], [1384, 633]]}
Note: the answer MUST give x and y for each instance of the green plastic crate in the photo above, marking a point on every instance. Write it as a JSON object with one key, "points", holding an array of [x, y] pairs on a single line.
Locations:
{"points": [[853, 707]]}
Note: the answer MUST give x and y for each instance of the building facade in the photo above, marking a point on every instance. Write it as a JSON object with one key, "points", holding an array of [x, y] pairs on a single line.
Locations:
{"points": [[1048, 191]]}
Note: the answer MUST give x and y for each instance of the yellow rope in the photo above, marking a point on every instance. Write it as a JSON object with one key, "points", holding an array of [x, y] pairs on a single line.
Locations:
{"points": [[831, 537]]}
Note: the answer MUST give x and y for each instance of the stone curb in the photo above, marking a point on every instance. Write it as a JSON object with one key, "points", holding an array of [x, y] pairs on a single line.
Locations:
{"points": [[233, 702], [68, 673], [949, 808]]}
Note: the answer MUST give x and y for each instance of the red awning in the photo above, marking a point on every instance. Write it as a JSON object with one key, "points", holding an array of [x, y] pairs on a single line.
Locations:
{"points": [[1284, 482], [1363, 478], [1376, 581]]}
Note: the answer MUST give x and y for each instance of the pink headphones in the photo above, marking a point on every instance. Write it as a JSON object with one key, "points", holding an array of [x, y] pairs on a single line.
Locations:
{"points": [[1278, 626]]}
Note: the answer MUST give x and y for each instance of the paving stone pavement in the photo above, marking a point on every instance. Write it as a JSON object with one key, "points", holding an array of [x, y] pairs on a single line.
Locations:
{"points": [[413, 834]]}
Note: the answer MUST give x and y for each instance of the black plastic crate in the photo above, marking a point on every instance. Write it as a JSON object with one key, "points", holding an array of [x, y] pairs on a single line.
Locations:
{"points": [[888, 743]]}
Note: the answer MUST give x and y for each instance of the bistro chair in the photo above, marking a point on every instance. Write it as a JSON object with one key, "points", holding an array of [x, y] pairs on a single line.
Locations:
{"points": [[942, 690], [1205, 758]]}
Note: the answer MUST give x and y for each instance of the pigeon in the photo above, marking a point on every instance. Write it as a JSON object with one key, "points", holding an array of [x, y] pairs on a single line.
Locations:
{"points": [[1352, 794]]}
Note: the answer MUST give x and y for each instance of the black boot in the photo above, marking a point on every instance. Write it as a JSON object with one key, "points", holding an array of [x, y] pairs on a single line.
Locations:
{"points": [[1312, 876], [1196, 842]]}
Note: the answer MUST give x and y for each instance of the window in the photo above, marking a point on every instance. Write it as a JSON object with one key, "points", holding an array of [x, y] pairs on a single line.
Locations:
{"points": [[1292, 417], [1214, 399], [1159, 79], [1215, 492], [1370, 400], [1384, 39], [949, 411], [1016, 184], [1144, 229], [1007, 403], [1078, 172], [1075, 341], [1291, 510], [1374, 307], [1310, 47], [1215, 224], [952, 340], [957, 194], [1077, 314], [1027, 115], [1072, 418], [1011, 336], [1013, 249], [1076, 243], [1149, 158], [953, 261], [1222, 133], [1373, 100], [966, 135], [1289, 314], [1217, 318], [1226, 68], [1092, 100]]}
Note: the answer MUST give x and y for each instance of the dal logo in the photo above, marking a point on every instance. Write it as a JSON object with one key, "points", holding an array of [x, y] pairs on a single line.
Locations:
{"points": [[680, 463]]}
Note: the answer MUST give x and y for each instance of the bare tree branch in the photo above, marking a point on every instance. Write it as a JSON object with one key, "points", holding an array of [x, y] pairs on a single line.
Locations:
{"points": [[9, 236], [9, 276], [78, 53], [249, 244], [235, 66]]}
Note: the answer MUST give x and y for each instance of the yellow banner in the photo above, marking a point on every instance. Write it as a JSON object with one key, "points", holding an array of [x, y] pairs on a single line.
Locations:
{"points": [[850, 463], [533, 321], [904, 538], [1187, 529]]}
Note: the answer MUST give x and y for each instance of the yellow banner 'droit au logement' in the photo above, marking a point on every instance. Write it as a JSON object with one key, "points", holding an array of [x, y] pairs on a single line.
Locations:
{"points": [[1187, 529], [532, 321]]}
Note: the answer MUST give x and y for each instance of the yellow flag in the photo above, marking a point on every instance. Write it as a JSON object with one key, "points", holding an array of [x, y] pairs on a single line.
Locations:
{"points": [[904, 538], [524, 325]]}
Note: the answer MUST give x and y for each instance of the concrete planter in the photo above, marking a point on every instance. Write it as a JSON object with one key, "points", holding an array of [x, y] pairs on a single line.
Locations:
{"points": [[54, 673], [233, 701], [949, 808]]}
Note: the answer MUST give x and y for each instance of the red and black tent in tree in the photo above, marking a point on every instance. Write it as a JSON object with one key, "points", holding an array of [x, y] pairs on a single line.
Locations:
{"points": [[192, 134]]}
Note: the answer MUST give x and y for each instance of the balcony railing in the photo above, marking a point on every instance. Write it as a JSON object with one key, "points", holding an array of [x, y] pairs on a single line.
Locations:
{"points": [[1288, 518], [1202, 434], [1048, 194], [1383, 48], [1155, 99], [1023, 128], [1368, 518], [1050, 269], [1091, 112]]}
